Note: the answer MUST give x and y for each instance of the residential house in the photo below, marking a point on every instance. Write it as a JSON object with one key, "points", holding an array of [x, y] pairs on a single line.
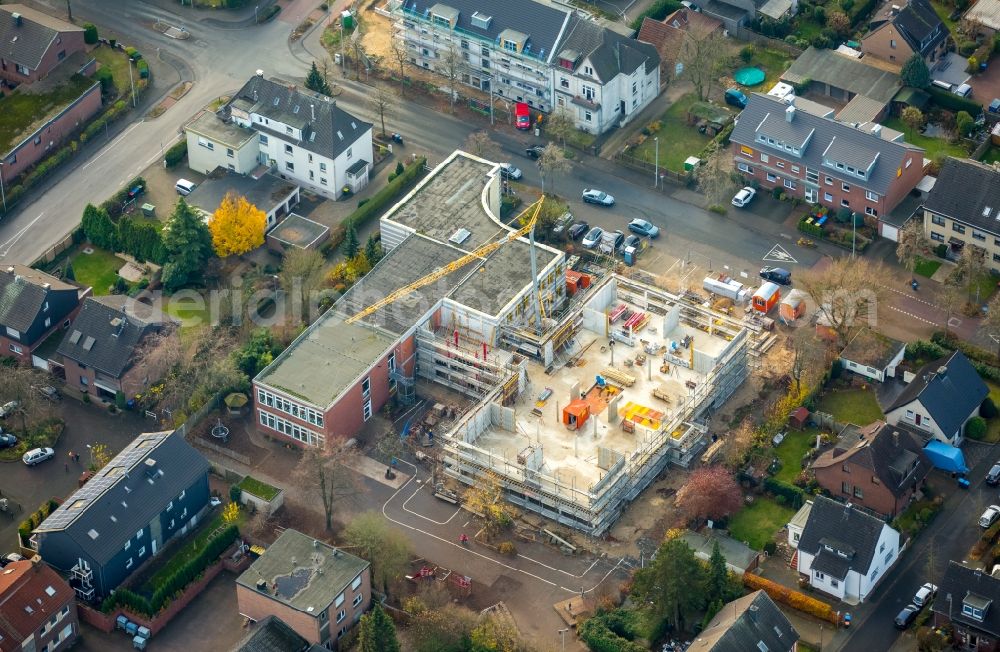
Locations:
{"points": [[963, 209], [822, 161], [156, 488], [667, 36], [304, 137], [545, 55], [734, 14], [271, 194], [985, 14], [34, 43], [879, 467], [901, 29], [842, 78], [964, 604], [739, 557], [320, 591], [37, 608], [33, 305], [272, 634], [752, 622], [873, 355], [108, 348], [940, 399], [844, 551]]}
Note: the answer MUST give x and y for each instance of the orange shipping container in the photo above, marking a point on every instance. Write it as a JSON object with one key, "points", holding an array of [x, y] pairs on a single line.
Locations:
{"points": [[765, 297]]}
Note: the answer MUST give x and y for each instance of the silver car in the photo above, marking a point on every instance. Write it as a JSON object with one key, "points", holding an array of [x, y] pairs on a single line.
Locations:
{"points": [[593, 237], [594, 196], [37, 455]]}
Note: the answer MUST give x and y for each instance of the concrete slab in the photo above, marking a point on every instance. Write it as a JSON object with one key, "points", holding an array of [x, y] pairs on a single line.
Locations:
{"points": [[951, 69]]}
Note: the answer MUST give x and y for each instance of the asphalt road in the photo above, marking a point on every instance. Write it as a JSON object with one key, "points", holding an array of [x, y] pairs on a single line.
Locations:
{"points": [[949, 537]]}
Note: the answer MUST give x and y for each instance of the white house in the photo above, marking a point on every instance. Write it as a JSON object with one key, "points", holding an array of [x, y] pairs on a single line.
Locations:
{"points": [[940, 399], [798, 523], [303, 137], [843, 551], [873, 355]]}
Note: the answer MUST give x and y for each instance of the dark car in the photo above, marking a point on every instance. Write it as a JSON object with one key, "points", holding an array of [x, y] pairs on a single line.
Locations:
{"points": [[906, 616], [777, 275], [736, 97], [577, 230], [993, 477], [995, 105], [7, 440], [534, 152]]}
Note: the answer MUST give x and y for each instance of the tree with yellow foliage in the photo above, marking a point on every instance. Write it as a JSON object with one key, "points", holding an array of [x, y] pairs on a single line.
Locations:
{"points": [[231, 512], [237, 226]]}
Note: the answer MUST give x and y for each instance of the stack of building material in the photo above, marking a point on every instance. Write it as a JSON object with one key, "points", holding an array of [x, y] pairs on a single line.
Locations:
{"points": [[619, 377]]}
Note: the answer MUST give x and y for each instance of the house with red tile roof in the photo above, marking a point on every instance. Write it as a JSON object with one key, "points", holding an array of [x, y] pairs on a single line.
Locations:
{"points": [[37, 609]]}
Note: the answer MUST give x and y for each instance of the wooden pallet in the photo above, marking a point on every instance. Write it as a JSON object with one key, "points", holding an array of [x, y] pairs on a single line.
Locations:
{"points": [[619, 377]]}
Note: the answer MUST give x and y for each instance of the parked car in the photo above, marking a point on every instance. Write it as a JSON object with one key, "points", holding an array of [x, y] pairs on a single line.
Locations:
{"points": [[643, 227], [611, 242], [48, 391], [778, 275], [534, 151], [562, 222], [630, 241], [990, 516], [577, 230], [185, 187], [510, 172], [594, 196], [7, 409], [7, 440], [736, 97], [906, 616], [593, 237], [744, 197], [963, 90], [993, 477], [37, 455], [925, 594], [690, 5], [994, 105]]}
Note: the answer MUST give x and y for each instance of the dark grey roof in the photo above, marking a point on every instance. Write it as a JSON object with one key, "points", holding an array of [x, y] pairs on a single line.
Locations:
{"points": [[949, 397], [543, 23], [894, 455], [963, 583], [795, 132], [26, 43], [761, 108], [127, 493], [609, 53], [851, 152], [326, 129], [266, 192], [967, 191], [845, 529], [104, 336], [916, 22], [829, 67], [725, 10], [22, 294], [744, 623], [832, 564], [272, 635]]}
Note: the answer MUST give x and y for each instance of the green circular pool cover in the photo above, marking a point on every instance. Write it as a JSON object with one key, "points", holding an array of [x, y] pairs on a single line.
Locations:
{"points": [[749, 76]]}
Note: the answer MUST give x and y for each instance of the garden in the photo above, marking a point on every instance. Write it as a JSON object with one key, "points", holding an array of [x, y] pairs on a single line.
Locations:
{"points": [[835, 227], [96, 268], [791, 451], [678, 133], [857, 406], [757, 522]]}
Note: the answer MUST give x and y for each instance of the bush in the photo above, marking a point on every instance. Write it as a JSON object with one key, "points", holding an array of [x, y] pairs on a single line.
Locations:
{"points": [[792, 494], [952, 102], [107, 80], [176, 154], [770, 547], [988, 410], [604, 632], [793, 599], [143, 69], [966, 48], [89, 33], [975, 428], [235, 493], [507, 548], [941, 250], [269, 13], [746, 53], [659, 10]]}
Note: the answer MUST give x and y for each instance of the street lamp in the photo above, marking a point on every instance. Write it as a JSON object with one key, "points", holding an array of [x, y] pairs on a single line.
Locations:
{"points": [[91, 449], [656, 160], [562, 634]]}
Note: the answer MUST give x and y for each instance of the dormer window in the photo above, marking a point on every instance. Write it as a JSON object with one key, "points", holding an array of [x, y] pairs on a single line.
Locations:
{"points": [[975, 606], [510, 46]]}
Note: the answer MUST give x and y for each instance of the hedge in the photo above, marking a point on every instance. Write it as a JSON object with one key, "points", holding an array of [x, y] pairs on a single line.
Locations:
{"points": [[795, 496], [659, 10], [89, 33], [600, 638], [393, 189], [793, 599], [948, 100], [113, 204], [36, 518], [176, 154], [981, 360], [810, 229], [269, 13]]}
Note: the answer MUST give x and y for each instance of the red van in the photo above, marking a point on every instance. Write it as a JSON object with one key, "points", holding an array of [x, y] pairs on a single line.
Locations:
{"points": [[522, 115]]}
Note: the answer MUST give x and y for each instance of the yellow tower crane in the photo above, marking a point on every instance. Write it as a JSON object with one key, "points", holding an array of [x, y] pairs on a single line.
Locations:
{"points": [[473, 256]]}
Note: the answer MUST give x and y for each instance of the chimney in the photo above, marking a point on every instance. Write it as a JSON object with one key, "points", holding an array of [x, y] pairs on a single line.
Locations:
{"points": [[150, 465], [10, 269], [894, 10], [847, 510], [753, 612], [262, 585], [17, 18], [259, 73], [790, 113], [877, 131]]}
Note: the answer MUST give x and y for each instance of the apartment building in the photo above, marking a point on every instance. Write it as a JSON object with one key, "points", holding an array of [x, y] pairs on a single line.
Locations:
{"points": [[544, 55], [823, 161], [37, 609], [963, 209]]}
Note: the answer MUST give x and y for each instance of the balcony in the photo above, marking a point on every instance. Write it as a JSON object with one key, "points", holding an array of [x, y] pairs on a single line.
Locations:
{"points": [[579, 100]]}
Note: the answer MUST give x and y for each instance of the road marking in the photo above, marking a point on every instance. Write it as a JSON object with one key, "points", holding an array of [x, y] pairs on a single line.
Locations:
{"points": [[778, 254], [110, 146], [5, 248], [910, 295], [408, 510], [910, 314]]}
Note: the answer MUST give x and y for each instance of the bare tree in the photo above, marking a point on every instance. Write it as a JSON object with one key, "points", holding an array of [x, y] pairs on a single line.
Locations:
{"points": [[157, 355], [385, 547], [321, 473], [950, 301], [383, 102], [808, 357], [399, 54], [913, 244], [742, 439], [19, 384], [844, 291], [553, 161], [560, 125], [301, 275], [716, 178], [970, 268], [486, 499], [704, 53], [480, 144], [451, 67]]}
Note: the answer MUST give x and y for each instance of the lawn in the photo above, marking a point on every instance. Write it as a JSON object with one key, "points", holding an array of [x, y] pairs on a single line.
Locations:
{"points": [[757, 522], [857, 406], [926, 267], [22, 112], [183, 553], [944, 11], [98, 270], [678, 140], [790, 453], [772, 62], [117, 62], [982, 289], [933, 146], [260, 489], [191, 310]]}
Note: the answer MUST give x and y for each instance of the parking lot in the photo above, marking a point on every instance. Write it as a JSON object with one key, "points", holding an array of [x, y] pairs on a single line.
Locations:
{"points": [[57, 478]]}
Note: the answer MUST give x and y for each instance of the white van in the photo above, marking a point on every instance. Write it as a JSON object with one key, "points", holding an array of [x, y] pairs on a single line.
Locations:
{"points": [[184, 187]]}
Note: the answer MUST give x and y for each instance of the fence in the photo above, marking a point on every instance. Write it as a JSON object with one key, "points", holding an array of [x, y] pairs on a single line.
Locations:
{"points": [[233, 455], [745, 34], [642, 165]]}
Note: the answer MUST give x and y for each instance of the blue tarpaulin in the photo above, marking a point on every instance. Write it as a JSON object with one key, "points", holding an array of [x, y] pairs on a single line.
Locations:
{"points": [[945, 457]]}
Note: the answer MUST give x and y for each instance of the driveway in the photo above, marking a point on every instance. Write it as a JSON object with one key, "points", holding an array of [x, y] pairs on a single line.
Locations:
{"points": [[986, 85], [951, 69], [85, 424]]}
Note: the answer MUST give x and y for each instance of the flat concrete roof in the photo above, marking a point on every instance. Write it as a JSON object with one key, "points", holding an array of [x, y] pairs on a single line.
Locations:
{"points": [[227, 133], [265, 193], [298, 231], [504, 274], [450, 201]]}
